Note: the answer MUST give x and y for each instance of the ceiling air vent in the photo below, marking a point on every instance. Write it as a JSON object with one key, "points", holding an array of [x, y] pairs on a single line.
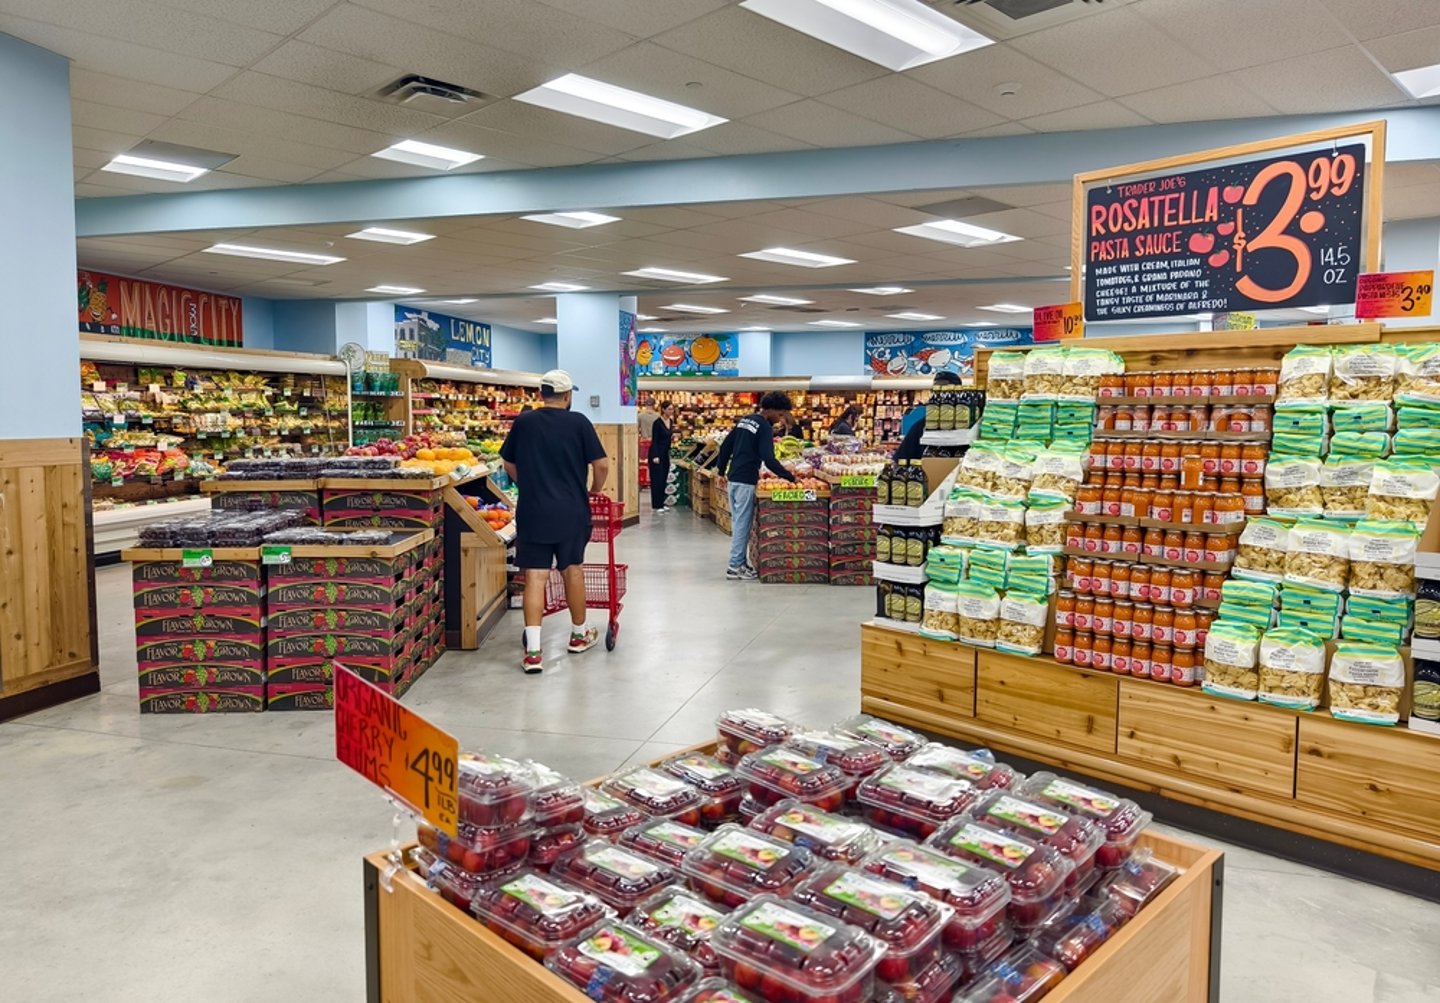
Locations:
{"points": [[423, 90]]}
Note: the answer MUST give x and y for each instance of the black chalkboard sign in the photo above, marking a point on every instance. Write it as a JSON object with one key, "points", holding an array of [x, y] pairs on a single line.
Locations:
{"points": [[1285, 231]]}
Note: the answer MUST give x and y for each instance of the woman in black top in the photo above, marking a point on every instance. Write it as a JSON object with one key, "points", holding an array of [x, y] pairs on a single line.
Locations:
{"points": [[659, 457], [845, 424]]}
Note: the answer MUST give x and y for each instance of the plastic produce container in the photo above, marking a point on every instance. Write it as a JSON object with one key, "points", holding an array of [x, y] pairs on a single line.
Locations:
{"points": [[683, 920], [935, 984], [1022, 976], [897, 742], [536, 913], [777, 773], [978, 896], [1073, 936], [720, 991], [619, 877], [733, 865], [493, 790], [481, 851], [657, 794], [855, 758], [557, 800], [1138, 881], [547, 844], [455, 884], [790, 954], [978, 767], [722, 788], [617, 963], [1077, 837], [1121, 819], [907, 921], [914, 802], [741, 732], [609, 816], [832, 837], [662, 839], [750, 809], [1038, 874]]}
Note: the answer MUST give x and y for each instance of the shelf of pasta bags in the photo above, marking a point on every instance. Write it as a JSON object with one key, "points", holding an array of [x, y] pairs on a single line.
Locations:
{"points": [[905, 574]]}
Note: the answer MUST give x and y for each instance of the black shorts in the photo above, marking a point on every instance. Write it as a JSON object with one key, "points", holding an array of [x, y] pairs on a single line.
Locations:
{"points": [[534, 556]]}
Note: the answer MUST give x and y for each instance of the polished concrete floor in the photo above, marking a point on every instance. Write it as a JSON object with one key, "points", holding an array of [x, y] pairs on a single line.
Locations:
{"points": [[216, 859]]}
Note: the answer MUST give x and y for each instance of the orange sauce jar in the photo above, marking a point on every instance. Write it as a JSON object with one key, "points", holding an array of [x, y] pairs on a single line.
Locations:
{"points": [[1210, 457], [1100, 579], [1150, 457], [1084, 612], [1141, 421], [1174, 545], [1230, 486], [1211, 582], [1229, 508], [1221, 548], [1113, 539], [1084, 641], [1187, 626], [1124, 417], [1184, 506], [1160, 586], [1140, 658], [1265, 381], [1075, 535], [1153, 543], [1065, 645], [1142, 622], [1120, 656], [1202, 507], [1133, 452], [1222, 383], [1184, 583], [1194, 548], [1140, 582], [1170, 482], [1100, 652], [1110, 498], [1252, 460], [1252, 494], [1078, 571], [1160, 418], [1204, 618], [1192, 469], [1230, 459], [1120, 573], [1087, 499], [1103, 619], [1170, 457], [1131, 540], [1112, 385], [1123, 622], [1065, 608], [1163, 384], [1133, 382], [1164, 631], [1094, 538], [1184, 668], [1098, 448], [1105, 418], [1162, 507], [1162, 660]]}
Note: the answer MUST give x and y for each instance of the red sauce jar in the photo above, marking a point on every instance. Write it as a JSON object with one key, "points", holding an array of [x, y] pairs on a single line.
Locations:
{"points": [[1187, 627], [1142, 622], [1065, 645], [1140, 582], [1162, 662], [1084, 615], [1120, 574], [1065, 609], [1184, 582], [1122, 623], [1103, 619], [1084, 642], [1164, 632], [1184, 667], [1120, 656], [1140, 655], [1100, 652]]}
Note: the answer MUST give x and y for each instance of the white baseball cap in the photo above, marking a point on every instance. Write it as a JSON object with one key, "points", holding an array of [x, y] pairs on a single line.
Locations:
{"points": [[558, 381]]}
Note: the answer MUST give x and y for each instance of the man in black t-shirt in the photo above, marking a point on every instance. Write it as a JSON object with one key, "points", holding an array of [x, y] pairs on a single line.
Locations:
{"points": [[750, 443], [547, 454]]}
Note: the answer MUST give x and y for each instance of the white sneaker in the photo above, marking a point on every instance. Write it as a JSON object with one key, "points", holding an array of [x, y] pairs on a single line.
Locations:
{"points": [[662, 510]]}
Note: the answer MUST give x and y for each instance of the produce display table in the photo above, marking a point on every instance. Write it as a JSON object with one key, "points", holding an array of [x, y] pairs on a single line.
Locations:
{"points": [[301, 495], [1360, 786], [419, 947]]}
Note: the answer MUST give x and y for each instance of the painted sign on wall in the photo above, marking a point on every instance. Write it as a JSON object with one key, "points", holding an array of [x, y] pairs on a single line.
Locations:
{"points": [[921, 353], [629, 348], [135, 308], [688, 354], [437, 337], [1265, 234]]}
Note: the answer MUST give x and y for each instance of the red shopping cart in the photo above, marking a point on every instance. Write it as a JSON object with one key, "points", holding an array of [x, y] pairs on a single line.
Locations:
{"points": [[604, 583]]}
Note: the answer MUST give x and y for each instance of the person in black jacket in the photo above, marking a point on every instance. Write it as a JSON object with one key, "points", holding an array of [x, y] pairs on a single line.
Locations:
{"points": [[845, 424], [659, 457], [750, 443]]}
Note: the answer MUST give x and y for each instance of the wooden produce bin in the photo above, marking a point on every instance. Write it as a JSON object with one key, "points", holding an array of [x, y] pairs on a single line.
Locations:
{"points": [[421, 949], [476, 582], [700, 480], [622, 446], [287, 495]]}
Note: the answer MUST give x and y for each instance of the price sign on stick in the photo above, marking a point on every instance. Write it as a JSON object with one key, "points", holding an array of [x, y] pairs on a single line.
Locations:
{"points": [[397, 750], [1061, 322]]}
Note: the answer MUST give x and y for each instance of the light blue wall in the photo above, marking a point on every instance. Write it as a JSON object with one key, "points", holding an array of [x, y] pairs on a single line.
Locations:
{"points": [[305, 326], [38, 335], [587, 344], [824, 353], [370, 324], [756, 353], [526, 351], [257, 318]]}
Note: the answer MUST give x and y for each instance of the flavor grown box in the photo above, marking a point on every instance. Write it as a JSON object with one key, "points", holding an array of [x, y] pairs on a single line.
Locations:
{"points": [[210, 700]]}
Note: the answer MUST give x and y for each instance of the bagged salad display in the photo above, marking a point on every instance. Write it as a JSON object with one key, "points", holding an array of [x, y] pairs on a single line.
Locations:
{"points": [[1005, 379], [1304, 374], [1230, 654], [1022, 623], [1366, 683], [1318, 555], [1292, 486], [1402, 489], [1363, 372], [1344, 484], [978, 614], [1382, 558], [941, 616], [1292, 668], [1263, 546]]}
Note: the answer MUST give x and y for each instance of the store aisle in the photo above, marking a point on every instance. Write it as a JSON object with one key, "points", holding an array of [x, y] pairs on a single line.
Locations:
{"points": [[218, 858]]}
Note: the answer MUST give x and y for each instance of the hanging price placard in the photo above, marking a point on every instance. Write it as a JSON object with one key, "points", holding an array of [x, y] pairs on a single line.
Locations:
{"points": [[1395, 294], [793, 495], [196, 558], [857, 480], [274, 554], [1060, 322]]}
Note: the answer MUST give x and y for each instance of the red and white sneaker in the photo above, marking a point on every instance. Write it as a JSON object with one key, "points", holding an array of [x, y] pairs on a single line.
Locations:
{"points": [[533, 664], [583, 641]]}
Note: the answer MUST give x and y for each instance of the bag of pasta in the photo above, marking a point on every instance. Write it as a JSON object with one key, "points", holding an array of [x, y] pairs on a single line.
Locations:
{"points": [[1023, 616], [1044, 373], [1344, 484], [1012, 480], [1367, 682], [1045, 526], [1263, 546], [1382, 559], [1292, 486], [1292, 668], [979, 468], [1417, 377], [1419, 443], [1002, 524], [979, 614], [1005, 378], [940, 616], [1058, 471], [1304, 374], [1083, 369], [1318, 555], [1363, 372], [1363, 416], [962, 517], [1230, 650], [1402, 489]]}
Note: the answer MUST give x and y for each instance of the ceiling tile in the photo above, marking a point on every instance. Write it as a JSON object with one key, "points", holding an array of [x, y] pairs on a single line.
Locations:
{"points": [[814, 224], [1024, 195], [321, 67], [975, 76], [1338, 80], [1407, 50], [674, 76], [670, 149], [1254, 31], [641, 18], [265, 91], [283, 17], [872, 212], [103, 140], [144, 22], [910, 105], [520, 148], [210, 136], [991, 131], [1105, 115], [270, 169], [758, 47], [110, 90], [1368, 19], [120, 58], [828, 126], [525, 119], [283, 125], [100, 116], [1198, 101], [1116, 52]]}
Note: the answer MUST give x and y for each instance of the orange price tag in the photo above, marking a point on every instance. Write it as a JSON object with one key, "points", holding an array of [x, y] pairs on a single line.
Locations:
{"points": [[1394, 294], [397, 750], [1061, 322]]}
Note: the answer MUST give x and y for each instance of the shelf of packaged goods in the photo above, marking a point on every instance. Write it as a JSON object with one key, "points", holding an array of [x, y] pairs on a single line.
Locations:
{"points": [[419, 946], [1363, 787], [1126, 520], [377, 393], [1196, 399], [1162, 562], [1206, 435]]}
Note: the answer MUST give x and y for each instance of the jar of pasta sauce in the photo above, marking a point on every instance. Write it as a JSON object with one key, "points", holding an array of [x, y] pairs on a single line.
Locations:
{"points": [[1100, 652], [1140, 583], [1164, 632], [1065, 609], [1120, 574], [1185, 667], [1140, 654], [1120, 656], [1187, 627], [1065, 645], [1122, 622], [1162, 662], [1081, 651], [1183, 585], [1160, 586], [1084, 614], [1103, 618], [1142, 622]]}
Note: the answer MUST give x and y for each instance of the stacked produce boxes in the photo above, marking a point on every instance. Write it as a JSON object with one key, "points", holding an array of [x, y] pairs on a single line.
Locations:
{"points": [[792, 537], [852, 535]]}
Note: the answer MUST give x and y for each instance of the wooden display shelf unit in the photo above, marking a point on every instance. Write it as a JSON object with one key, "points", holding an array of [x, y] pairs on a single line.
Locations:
{"points": [[1358, 786], [418, 947]]}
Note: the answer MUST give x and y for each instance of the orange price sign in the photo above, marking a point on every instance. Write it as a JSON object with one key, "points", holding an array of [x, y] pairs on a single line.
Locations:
{"points": [[1394, 294], [397, 750], [1061, 322]]}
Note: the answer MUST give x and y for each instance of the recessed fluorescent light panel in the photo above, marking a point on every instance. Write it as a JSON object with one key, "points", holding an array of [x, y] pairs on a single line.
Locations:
{"points": [[1421, 82], [1007, 308], [618, 106], [560, 287], [775, 300], [160, 170], [645, 316], [884, 291], [548, 320], [833, 323], [385, 235], [573, 220], [652, 330], [673, 275], [689, 308], [953, 231], [461, 302], [441, 158], [805, 259], [912, 315], [899, 34], [273, 254], [395, 290], [755, 328]]}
